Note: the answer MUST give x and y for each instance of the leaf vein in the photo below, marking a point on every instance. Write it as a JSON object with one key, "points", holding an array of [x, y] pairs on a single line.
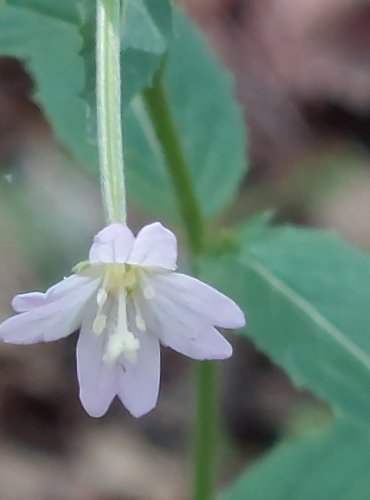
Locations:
{"points": [[310, 311]]}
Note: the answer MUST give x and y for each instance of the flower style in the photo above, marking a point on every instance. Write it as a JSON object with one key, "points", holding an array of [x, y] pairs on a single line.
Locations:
{"points": [[126, 300]]}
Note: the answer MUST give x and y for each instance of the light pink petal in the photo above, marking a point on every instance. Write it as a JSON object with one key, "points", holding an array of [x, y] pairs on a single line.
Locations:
{"points": [[27, 301], [195, 296], [155, 246], [67, 286], [184, 331], [98, 380], [58, 317], [112, 244], [139, 381]]}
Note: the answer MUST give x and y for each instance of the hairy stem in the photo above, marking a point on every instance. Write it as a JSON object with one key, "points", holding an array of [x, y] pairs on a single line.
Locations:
{"points": [[108, 93]]}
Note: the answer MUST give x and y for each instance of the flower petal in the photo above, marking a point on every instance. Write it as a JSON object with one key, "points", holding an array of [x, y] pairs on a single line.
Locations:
{"points": [[67, 286], [59, 316], [27, 301], [98, 380], [184, 331], [155, 246], [193, 295], [139, 380], [112, 244]]}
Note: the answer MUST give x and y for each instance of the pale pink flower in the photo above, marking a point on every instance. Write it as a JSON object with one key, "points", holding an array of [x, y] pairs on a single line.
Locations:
{"points": [[126, 300]]}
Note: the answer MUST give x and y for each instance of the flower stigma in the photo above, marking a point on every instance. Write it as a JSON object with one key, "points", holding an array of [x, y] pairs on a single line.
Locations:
{"points": [[119, 286]]}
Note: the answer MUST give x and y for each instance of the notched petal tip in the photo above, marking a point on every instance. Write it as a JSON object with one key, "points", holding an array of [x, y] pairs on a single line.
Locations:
{"points": [[27, 301], [111, 231], [155, 246], [93, 407], [140, 412], [112, 244], [139, 382], [49, 316]]}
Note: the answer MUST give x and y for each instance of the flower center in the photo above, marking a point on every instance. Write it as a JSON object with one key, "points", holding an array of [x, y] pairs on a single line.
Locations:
{"points": [[118, 290]]}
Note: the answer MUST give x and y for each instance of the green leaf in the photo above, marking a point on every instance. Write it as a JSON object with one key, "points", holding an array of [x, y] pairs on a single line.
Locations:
{"points": [[209, 123], [140, 30], [137, 72], [63, 11], [306, 295], [51, 38], [161, 12], [144, 41], [45, 36], [331, 465], [147, 180]]}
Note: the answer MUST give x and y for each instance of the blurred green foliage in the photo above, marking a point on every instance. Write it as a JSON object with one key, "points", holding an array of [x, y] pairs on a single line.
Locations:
{"points": [[330, 464], [305, 292]]}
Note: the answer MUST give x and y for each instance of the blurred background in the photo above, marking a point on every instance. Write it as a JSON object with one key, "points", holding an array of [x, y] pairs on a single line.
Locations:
{"points": [[302, 77]]}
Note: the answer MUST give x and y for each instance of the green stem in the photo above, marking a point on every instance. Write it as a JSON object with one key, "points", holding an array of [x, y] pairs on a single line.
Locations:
{"points": [[206, 430], [207, 387], [108, 93], [160, 114]]}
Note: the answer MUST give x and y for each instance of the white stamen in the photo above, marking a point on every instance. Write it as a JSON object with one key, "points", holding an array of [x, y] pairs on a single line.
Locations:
{"points": [[113, 349], [140, 323], [131, 343], [100, 320], [99, 324], [101, 297], [139, 320], [129, 279], [118, 345], [148, 292], [121, 341], [131, 348]]}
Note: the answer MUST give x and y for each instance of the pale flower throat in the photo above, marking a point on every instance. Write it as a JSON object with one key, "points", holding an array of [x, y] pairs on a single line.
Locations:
{"points": [[119, 287]]}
